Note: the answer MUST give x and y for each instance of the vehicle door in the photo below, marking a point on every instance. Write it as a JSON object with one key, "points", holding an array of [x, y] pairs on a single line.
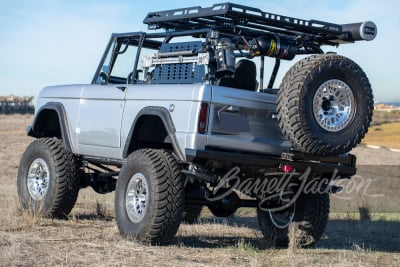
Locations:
{"points": [[102, 103]]}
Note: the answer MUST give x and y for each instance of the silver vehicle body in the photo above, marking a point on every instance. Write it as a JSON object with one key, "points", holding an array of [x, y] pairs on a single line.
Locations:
{"points": [[100, 117]]}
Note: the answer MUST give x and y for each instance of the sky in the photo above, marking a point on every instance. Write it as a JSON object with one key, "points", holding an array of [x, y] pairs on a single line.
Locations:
{"points": [[50, 42]]}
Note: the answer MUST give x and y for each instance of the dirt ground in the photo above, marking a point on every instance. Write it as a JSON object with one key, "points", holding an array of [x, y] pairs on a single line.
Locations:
{"points": [[89, 237]]}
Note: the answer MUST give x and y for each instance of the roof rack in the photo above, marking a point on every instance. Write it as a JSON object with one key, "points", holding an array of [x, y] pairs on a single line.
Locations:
{"points": [[234, 15]]}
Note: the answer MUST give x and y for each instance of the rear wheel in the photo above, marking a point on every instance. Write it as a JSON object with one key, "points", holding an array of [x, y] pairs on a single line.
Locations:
{"points": [[277, 237], [325, 105], [149, 197], [48, 178], [307, 222]]}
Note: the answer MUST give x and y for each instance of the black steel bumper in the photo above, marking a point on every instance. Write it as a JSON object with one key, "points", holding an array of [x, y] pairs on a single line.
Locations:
{"points": [[342, 166]]}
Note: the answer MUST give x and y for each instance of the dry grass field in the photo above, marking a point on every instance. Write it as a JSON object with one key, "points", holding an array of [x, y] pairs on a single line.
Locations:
{"points": [[387, 134], [385, 130], [89, 237]]}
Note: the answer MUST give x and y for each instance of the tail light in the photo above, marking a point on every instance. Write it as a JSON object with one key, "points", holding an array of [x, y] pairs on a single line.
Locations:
{"points": [[202, 126], [286, 168]]}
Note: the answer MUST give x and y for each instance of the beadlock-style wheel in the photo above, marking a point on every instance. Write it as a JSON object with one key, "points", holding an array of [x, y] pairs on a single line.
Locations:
{"points": [[48, 179], [333, 105], [38, 179], [325, 105], [149, 197], [136, 197]]}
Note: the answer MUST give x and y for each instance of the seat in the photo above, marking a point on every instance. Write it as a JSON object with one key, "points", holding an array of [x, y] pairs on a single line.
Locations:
{"points": [[245, 76]]}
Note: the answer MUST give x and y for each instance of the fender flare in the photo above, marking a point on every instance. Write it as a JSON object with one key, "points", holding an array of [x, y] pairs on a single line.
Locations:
{"points": [[33, 131], [166, 119]]}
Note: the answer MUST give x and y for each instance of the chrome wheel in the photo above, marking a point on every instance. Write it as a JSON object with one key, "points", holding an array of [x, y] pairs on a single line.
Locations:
{"points": [[136, 198], [38, 179], [333, 105]]}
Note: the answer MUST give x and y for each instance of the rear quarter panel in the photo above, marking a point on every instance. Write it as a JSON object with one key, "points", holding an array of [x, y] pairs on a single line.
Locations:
{"points": [[182, 101]]}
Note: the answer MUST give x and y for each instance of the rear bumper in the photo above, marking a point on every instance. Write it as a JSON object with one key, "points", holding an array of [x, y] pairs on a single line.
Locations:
{"points": [[342, 166]]}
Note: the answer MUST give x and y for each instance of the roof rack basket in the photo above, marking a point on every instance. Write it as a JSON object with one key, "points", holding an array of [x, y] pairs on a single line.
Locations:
{"points": [[234, 15]]}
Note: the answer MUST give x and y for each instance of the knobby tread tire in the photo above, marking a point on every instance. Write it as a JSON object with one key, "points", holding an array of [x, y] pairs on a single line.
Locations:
{"points": [[166, 189], [276, 237], [294, 104], [307, 227], [311, 224], [64, 181]]}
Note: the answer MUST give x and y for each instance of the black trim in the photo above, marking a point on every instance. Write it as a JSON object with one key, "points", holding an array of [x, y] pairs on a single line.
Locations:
{"points": [[30, 132], [62, 117], [345, 165], [165, 117]]}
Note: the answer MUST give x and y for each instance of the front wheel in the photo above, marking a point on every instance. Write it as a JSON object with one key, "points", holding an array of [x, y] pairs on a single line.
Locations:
{"points": [[48, 179], [149, 197]]}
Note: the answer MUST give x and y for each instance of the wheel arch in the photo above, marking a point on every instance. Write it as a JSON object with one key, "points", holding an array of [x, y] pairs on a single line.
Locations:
{"points": [[162, 132], [51, 121]]}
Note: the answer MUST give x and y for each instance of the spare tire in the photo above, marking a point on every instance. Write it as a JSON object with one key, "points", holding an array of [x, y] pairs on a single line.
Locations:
{"points": [[325, 105]]}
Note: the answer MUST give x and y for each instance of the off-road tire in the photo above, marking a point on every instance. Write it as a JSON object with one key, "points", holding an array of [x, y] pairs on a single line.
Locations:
{"points": [[62, 170], [301, 117], [191, 214], [307, 227], [161, 214], [311, 218], [275, 236]]}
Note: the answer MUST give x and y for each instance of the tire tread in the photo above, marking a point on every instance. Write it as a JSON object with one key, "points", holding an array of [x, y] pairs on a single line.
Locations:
{"points": [[291, 116]]}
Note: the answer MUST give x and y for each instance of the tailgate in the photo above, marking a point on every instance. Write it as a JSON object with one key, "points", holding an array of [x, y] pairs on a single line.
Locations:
{"points": [[243, 120]]}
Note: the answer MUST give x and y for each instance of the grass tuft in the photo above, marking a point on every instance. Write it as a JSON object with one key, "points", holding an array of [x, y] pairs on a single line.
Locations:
{"points": [[101, 210]]}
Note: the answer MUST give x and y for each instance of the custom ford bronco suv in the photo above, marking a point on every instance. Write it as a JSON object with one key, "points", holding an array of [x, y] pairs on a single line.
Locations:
{"points": [[182, 118]]}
